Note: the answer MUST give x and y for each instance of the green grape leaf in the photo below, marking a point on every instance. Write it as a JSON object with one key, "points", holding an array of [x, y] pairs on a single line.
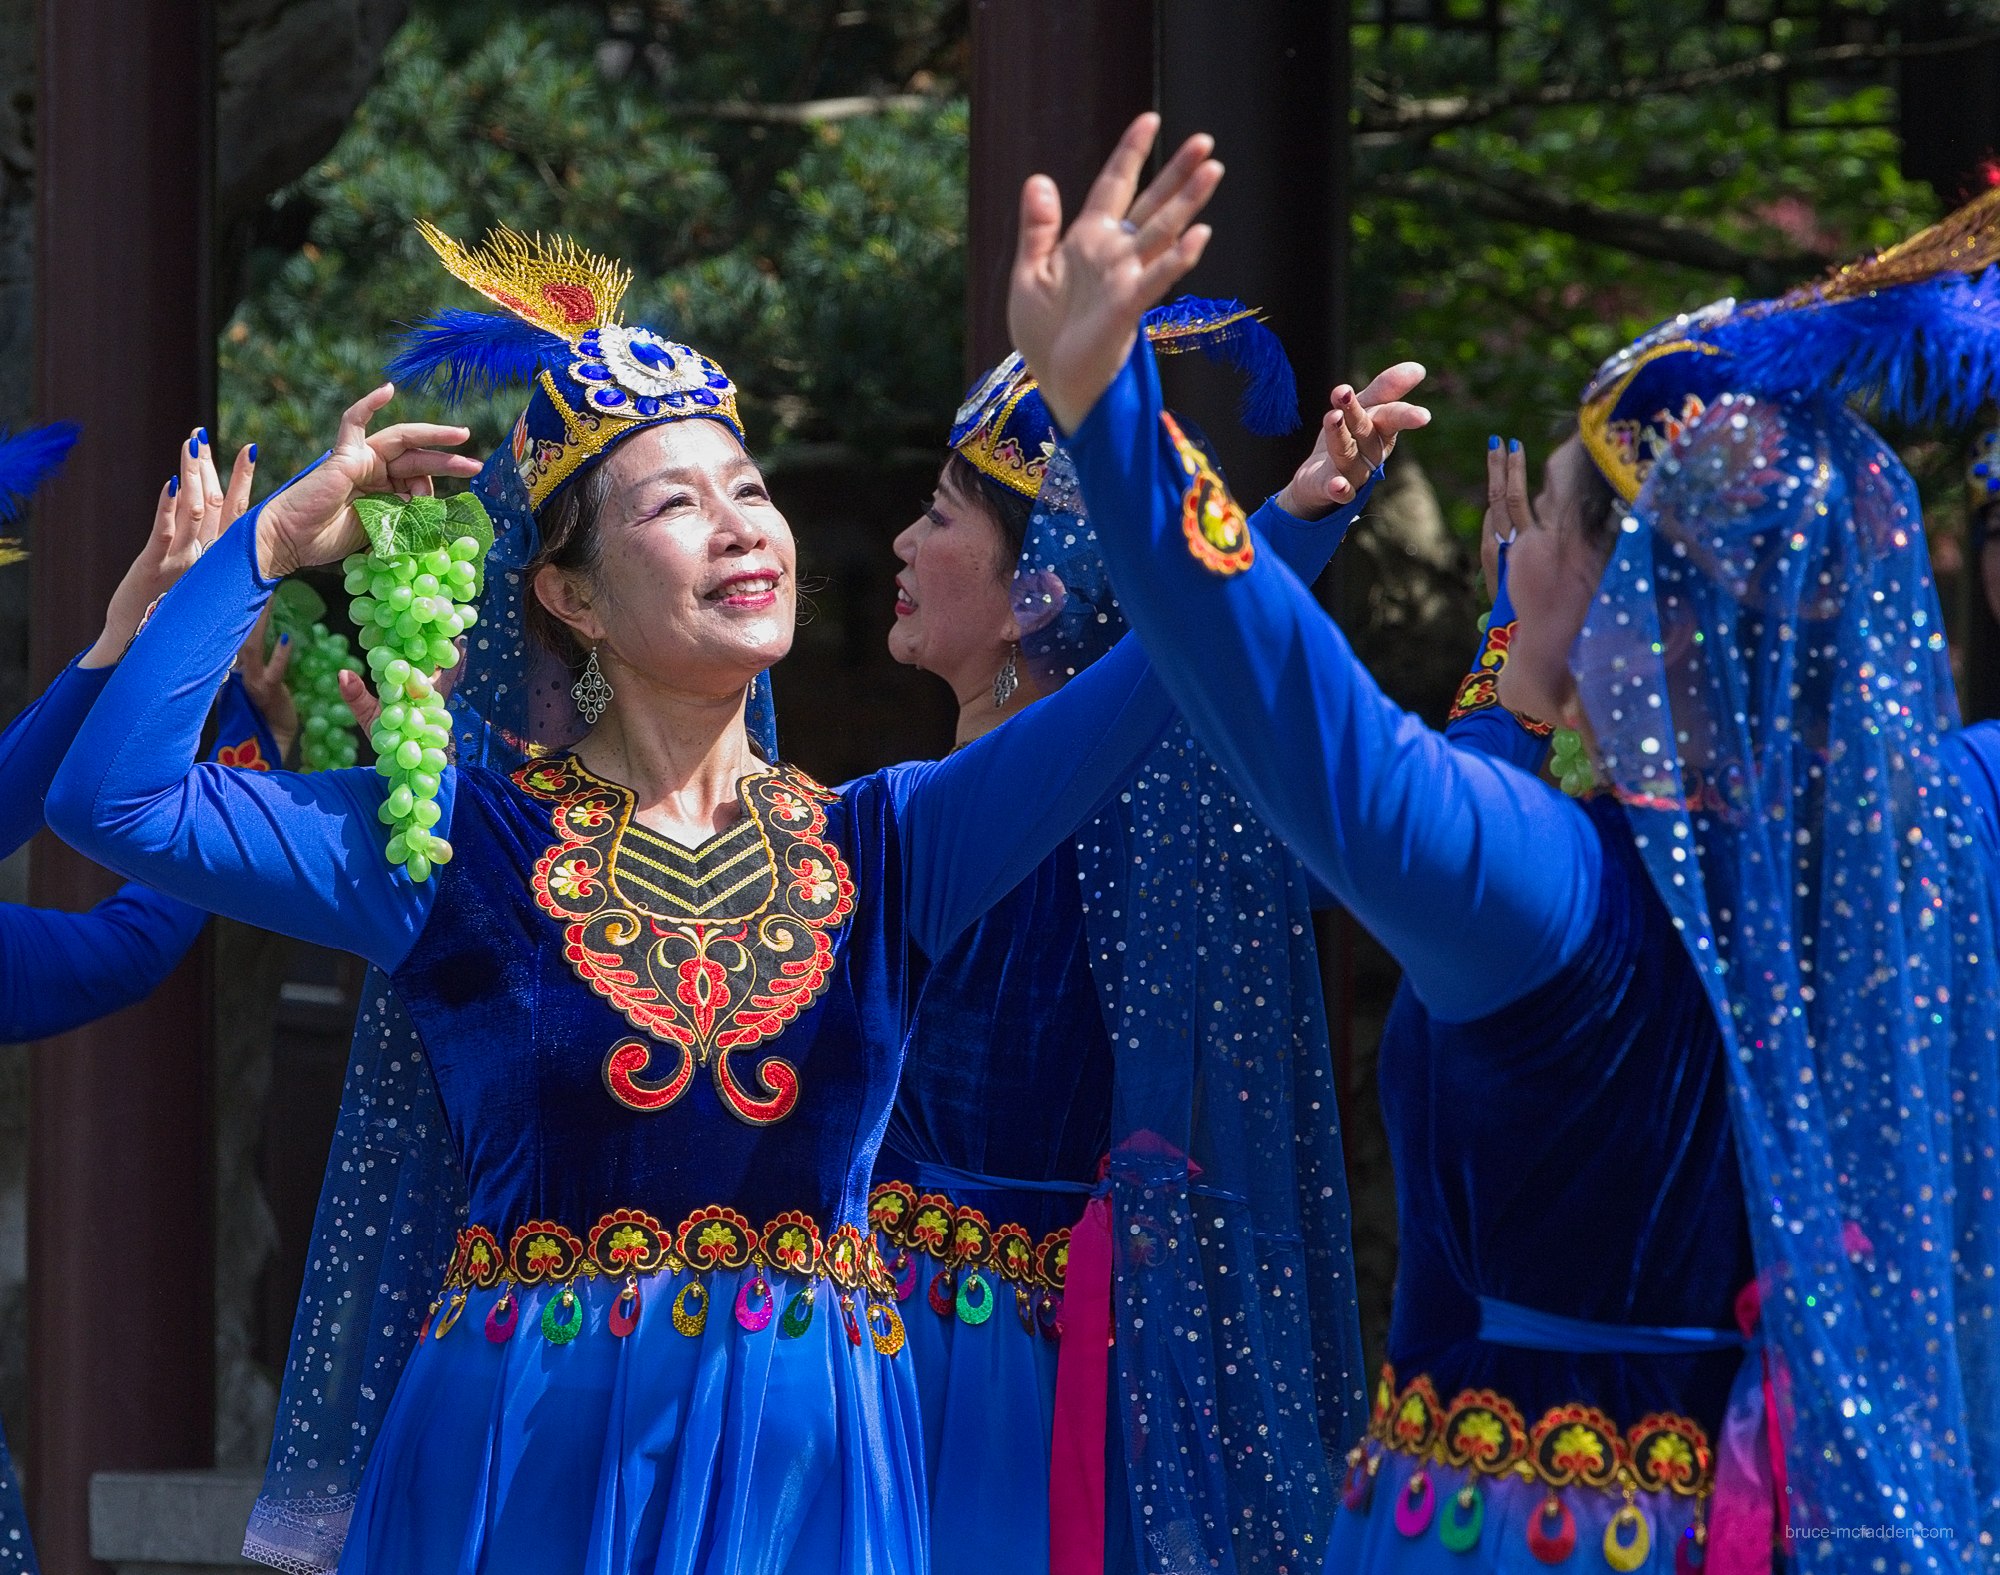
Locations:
{"points": [[402, 525], [295, 608], [465, 515]]}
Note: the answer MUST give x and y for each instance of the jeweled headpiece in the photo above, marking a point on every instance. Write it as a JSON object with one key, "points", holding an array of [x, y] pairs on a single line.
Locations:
{"points": [[1005, 430], [26, 461], [1912, 327], [596, 380]]}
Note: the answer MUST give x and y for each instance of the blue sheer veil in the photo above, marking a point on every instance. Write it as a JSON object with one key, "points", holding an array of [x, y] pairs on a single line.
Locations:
{"points": [[394, 1197], [1766, 677], [1237, 1376]]}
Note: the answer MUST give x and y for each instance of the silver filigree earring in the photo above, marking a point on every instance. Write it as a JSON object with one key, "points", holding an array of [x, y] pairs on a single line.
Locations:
{"points": [[1008, 679], [592, 693]]}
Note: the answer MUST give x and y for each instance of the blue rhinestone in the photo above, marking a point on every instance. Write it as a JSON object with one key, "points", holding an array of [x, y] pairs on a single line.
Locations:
{"points": [[717, 380], [592, 371], [702, 396], [608, 396], [588, 343], [647, 407], [649, 354]]}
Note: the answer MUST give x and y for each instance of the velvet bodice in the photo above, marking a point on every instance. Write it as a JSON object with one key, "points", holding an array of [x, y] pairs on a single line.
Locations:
{"points": [[1008, 1072], [1571, 1153], [598, 1047]]}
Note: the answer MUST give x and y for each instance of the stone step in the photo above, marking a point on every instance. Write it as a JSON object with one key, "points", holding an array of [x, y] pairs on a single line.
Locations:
{"points": [[171, 1522]]}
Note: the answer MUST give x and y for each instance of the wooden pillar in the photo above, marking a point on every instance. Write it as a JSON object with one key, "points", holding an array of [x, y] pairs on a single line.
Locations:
{"points": [[1053, 83], [120, 1249], [1270, 80]]}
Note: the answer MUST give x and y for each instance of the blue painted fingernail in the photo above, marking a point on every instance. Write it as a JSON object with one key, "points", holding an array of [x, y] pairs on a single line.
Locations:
{"points": [[253, 453], [173, 486], [1513, 445], [1493, 442], [284, 639]]}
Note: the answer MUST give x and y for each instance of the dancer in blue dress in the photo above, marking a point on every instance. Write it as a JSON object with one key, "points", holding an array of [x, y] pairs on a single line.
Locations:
{"points": [[660, 988], [61, 970], [1756, 967], [1004, 1114]]}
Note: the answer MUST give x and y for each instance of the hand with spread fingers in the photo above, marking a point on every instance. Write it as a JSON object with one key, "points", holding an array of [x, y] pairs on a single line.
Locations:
{"points": [[1356, 437], [192, 510], [1077, 295], [313, 520]]}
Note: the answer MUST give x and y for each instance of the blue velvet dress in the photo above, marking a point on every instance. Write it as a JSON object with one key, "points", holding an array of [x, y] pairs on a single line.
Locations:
{"points": [[61, 970], [999, 1127], [995, 1143], [666, 1341], [1552, 1076]]}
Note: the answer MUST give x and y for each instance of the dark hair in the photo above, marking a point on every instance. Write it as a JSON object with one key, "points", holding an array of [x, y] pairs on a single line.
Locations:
{"points": [[1597, 505], [1012, 511], [566, 526]]}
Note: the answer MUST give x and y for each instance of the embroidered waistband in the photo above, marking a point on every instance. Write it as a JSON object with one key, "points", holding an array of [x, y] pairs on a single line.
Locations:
{"points": [[1570, 1444], [1571, 1447], [629, 1243], [967, 1246]]}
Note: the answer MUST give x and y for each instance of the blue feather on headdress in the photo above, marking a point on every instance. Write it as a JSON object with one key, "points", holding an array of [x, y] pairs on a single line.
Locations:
{"points": [[28, 459], [463, 354], [1924, 350], [1231, 333]]}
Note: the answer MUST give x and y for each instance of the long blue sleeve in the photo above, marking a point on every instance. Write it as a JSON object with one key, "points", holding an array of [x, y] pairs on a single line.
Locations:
{"points": [[61, 970], [299, 854], [1480, 880], [1974, 753], [978, 822], [34, 745]]}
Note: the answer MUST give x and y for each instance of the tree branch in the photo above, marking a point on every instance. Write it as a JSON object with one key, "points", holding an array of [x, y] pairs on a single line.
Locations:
{"points": [[1391, 115], [1661, 238], [810, 112]]}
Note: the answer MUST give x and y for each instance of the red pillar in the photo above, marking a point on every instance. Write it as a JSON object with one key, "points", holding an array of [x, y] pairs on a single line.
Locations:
{"points": [[121, 1322]]}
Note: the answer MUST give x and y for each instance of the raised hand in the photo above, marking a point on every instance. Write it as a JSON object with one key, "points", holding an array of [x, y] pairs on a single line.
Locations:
{"points": [[264, 681], [1508, 510], [1356, 437], [313, 520], [191, 511], [1076, 297]]}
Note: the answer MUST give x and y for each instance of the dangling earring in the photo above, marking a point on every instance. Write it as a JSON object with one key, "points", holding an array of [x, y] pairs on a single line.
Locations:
{"points": [[1008, 679], [592, 693]]}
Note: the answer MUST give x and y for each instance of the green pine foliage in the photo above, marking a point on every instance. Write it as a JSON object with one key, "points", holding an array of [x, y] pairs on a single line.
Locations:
{"points": [[800, 256], [1635, 204]]}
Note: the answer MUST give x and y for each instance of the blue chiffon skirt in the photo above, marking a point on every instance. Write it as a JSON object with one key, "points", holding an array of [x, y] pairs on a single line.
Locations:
{"points": [[988, 1395], [728, 1452], [1371, 1542], [17, 1550]]}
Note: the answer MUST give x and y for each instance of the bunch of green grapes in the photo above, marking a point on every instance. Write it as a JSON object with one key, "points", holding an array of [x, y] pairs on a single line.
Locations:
{"points": [[328, 738], [414, 591], [1570, 763]]}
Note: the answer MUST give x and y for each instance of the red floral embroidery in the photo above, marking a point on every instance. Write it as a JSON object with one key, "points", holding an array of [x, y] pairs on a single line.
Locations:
{"points": [[1212, 522], [714, 979], [246, 756]]}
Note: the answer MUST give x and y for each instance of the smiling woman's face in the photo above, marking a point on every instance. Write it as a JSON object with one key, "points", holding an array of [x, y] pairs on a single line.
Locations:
{"points": [[954, 615], [693, 584]]}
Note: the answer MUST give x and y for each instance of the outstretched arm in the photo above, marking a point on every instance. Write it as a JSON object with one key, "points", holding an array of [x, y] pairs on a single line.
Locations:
{"points": [[65, 969], [1437, 850], [302, 855]]}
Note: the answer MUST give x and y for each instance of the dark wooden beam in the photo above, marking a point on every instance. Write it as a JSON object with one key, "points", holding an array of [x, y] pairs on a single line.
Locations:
{"points": [[121, 1322], [1053, 83], [1270, 80]]}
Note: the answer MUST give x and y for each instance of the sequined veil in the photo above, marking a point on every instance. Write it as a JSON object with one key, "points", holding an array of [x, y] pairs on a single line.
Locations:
{"points": [[1766, 675], [1237, 1365]]}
